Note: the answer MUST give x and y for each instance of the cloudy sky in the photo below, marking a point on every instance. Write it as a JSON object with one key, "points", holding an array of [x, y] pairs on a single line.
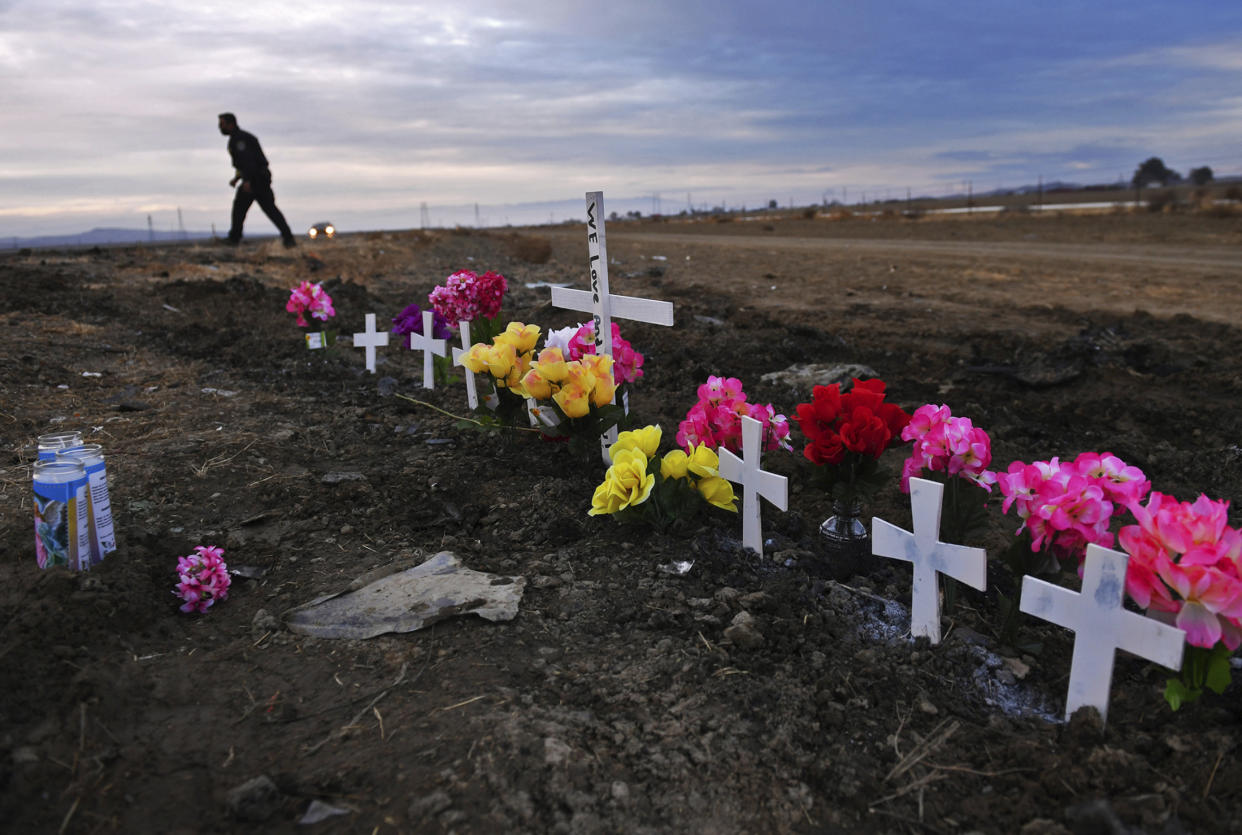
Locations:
{"points": [[368, 110]]}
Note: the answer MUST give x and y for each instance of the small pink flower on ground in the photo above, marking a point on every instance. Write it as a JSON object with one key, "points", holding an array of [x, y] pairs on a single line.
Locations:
{"points": [[203, 578]]}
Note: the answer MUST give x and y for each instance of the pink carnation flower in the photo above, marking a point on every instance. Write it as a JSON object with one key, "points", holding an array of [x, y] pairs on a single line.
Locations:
{"points": [[465, 296]]}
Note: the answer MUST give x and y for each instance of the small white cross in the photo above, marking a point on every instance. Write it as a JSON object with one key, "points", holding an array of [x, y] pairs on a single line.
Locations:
{"points": [[1101, 626], [755, 482], [472, 387], [370, 339], [601, 304], [425, 343], [929, 555]]}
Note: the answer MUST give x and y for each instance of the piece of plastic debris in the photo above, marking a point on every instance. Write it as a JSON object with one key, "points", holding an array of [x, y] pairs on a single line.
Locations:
{"points": [[678, 568], [319, 811], [437, 589], [91, 374]]}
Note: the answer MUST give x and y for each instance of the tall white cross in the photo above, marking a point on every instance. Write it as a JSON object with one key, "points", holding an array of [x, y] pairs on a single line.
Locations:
{"points": [[472, 388], [929, 555], [755, 482], [1101, 626], [428, 345], [600, 303], [371, 339]]}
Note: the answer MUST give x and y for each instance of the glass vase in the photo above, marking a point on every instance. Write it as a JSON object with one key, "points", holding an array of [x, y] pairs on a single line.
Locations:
{"points": [[846, 535]]}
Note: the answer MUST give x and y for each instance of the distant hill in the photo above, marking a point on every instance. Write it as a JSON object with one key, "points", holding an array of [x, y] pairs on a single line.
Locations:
{"points": [[102, 236]]}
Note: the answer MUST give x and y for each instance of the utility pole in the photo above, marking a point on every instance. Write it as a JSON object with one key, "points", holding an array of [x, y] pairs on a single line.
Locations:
{"points": [[1039, 200], [151, 229], [476, 215], [424, 216], [181, 225]]}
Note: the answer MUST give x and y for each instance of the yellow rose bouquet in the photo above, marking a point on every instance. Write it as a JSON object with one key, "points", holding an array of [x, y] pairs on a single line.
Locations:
{"points": [[639, 487], [506, 361], [574, 397]]}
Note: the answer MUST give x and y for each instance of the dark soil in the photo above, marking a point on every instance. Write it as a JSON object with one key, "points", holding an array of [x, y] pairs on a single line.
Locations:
{"points": [[620, 699]]}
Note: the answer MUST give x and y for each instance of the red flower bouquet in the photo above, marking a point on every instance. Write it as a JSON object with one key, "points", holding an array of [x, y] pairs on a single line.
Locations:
{"points": [[847, 432]]}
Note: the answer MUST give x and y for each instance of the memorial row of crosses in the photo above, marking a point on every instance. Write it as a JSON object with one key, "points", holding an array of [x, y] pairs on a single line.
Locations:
{"points": [[1096, 615]]}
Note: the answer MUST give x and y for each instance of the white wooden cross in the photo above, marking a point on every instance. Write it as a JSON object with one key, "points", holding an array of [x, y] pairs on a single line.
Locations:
{"points": [[755, 482], [425, 343], [370, 339], [599, 302], [472, 387], [1101, 627], [929, 555]]}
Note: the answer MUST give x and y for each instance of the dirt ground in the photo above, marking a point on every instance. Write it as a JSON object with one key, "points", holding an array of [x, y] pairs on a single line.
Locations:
{"points": [[615, 701]]}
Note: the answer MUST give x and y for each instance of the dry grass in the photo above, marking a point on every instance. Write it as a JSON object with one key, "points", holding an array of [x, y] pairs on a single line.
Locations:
{"points": [[532, 249]]}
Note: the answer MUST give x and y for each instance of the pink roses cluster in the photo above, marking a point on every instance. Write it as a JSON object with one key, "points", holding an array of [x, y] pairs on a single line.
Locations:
{"points": [[943, 443], [1184, 558], [204, 578], [465, 296], [1066, 506], [627, 364], [310, 298], [716, 420]]}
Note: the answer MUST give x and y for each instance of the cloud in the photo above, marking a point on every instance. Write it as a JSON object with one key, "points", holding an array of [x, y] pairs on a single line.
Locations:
{"points": [[392, 105]]}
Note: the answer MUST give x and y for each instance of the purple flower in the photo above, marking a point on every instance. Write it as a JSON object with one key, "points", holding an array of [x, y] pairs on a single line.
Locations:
{"points": [[410, 321]]}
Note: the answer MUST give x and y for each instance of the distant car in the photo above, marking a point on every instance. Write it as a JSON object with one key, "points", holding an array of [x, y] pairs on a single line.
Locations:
{"points": [[326, 230]]}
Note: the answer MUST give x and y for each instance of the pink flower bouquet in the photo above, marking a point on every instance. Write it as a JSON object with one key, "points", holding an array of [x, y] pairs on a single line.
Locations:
{"points": [[203, 578], [716, 419], [310, 298], [1186, 563]]}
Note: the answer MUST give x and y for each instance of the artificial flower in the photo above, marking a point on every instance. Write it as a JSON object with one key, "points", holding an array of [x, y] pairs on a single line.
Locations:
{"points": [[718, 491], [626, 483], [716, 419], [410, 320], [943, 443], [469, 297], [203, 579], [675, 464], [310, 298], [646, 439], [846, 432]]}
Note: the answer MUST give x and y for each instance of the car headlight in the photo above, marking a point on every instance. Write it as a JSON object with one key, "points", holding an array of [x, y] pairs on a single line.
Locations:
{"points": [[330, 230], [313, 232]]}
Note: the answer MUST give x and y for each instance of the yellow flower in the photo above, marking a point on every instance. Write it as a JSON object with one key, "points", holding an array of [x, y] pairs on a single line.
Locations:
{"points": [[604, 389], [605, 500], [704, 462], [578, 372], [674, 464], [597, 364], [627, 483], [646, 439], [476, 358], [521, 337], [521, 365], [500, 360], [552, 365], [718, 491], [573, 399], [535, 385]]}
